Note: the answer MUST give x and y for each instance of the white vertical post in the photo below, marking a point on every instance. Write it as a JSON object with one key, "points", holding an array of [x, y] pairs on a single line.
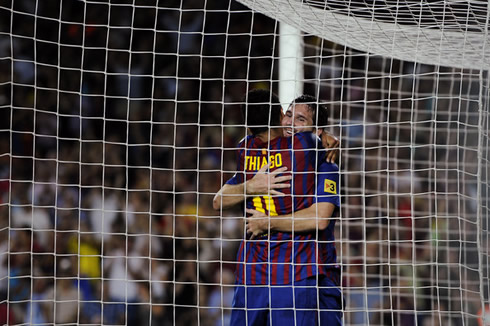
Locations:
{"points": [[290, 66]]}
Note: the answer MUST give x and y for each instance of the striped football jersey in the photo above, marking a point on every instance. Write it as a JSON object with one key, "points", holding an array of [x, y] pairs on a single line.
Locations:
{"points": [[281, 257]]}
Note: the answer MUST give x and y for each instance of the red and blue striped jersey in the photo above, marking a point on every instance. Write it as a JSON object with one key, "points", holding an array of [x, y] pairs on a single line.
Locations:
{"points": [[281, 257]]}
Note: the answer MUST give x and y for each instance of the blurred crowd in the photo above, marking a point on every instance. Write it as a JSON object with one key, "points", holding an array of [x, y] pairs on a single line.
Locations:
{"points": [[118, 125]]}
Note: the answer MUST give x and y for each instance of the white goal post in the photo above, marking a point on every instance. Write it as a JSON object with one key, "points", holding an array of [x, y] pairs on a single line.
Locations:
{"points": [[119, 121]]}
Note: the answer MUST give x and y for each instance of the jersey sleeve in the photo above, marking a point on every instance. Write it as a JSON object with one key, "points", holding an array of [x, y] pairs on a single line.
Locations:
{"points": [[328, 184], [236, 179]]}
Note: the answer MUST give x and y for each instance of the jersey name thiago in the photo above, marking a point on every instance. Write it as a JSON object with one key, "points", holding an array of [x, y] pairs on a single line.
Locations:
{"points": [[254, 163]]}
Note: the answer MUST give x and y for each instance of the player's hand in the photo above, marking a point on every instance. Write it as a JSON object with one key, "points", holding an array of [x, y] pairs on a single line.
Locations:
{"points": [[331, 143], [267, 183], [256, 224]]}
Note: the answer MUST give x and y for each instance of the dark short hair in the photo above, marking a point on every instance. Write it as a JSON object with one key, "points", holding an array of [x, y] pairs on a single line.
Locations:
{"points": [[261, 109], [319, 111]]}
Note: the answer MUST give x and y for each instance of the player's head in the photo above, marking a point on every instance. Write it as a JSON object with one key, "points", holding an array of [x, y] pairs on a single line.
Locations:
{"points": [[261, 109], [305, 114]]}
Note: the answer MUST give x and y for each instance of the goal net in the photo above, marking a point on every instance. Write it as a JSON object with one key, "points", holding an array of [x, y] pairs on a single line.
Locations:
{"points": [[119, 122]]}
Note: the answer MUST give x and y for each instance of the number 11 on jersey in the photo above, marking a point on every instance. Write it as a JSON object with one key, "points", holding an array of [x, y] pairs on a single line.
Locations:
{"points": [[269, 205]]}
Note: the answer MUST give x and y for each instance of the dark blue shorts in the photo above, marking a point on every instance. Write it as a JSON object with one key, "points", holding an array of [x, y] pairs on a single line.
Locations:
{"points": [[280, 305]]}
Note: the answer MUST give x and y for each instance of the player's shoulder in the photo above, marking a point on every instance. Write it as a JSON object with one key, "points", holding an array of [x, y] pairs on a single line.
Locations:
{"points": [[245, 141], [306, 139], [328, 167]]}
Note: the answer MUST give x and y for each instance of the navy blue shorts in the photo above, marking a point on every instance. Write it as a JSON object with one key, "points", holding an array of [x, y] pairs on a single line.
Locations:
{"points": [[279, 305]]}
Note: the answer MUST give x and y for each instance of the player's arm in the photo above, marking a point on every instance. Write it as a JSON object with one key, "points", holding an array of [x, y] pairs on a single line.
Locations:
{"points": [[331, 143], [263, 183], [229, 195], [315, 217]]}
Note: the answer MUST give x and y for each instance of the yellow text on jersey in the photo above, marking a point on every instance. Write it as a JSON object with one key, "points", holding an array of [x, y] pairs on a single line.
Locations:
{"points": [[254, 163]]}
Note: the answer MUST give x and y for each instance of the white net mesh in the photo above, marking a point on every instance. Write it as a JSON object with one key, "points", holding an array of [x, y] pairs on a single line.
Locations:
{"points": [[411, 220], [448, 33], [119, 122]]}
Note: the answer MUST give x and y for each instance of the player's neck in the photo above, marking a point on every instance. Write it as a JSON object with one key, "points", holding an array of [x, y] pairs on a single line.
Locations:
{"points": [[269, 135]]}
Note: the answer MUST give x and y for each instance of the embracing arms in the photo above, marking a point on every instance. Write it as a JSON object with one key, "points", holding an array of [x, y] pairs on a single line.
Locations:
{"points": [[263, 183], [315, 217]]}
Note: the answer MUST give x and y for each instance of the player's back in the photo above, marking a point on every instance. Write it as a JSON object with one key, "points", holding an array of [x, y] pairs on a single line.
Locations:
{"points": [[298, 154]]}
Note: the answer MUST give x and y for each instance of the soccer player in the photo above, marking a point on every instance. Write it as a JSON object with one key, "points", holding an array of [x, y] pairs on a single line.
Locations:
{"points": [[286, 271]]}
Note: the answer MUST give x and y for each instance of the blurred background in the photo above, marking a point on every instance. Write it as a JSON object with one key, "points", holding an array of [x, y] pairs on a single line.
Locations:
{"points": [[118, 123]]}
